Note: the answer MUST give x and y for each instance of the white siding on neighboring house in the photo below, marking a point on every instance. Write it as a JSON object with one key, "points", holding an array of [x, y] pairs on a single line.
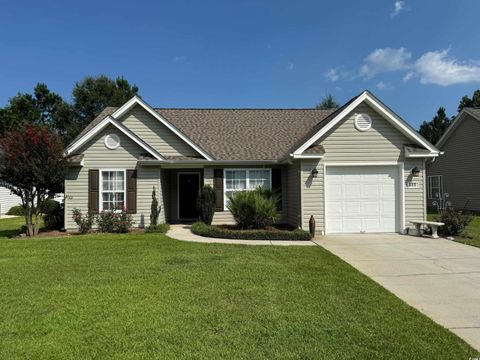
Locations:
{"points": [[7, 200]]}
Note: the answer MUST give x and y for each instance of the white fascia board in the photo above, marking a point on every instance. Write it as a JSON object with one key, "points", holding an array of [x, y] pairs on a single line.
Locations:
{"points": [[306, 156], [137, 101], [102, 125], [390, 116]]}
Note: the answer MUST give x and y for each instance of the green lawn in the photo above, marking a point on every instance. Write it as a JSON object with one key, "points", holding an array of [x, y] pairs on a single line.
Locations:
{"points": [[473, 231], [148, 296]]}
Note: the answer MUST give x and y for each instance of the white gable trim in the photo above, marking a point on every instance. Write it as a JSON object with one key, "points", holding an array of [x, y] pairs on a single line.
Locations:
{"points": [[137, 101], [382, 109], [102, 125]]}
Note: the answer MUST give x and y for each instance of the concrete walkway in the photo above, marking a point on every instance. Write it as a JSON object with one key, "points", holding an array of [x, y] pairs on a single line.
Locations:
{"points": [[441, 278], [182, 232]]}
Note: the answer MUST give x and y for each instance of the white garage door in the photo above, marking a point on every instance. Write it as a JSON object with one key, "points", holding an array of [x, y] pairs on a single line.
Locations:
{"points": [[361, 199]]}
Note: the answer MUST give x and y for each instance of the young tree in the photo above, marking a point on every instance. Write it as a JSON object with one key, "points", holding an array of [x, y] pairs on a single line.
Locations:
{"points": [[433, 130], [328, 102], [154, 209], [32, 166], [93, 94]]}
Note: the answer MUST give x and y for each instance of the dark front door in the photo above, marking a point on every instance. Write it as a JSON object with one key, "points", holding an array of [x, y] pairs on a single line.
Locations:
{"points": [[188, 185]]}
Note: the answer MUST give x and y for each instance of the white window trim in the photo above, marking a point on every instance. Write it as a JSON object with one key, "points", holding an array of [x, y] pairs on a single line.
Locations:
{"points": [[431, 196], [112, 135], [247, 180], [100, 185]]}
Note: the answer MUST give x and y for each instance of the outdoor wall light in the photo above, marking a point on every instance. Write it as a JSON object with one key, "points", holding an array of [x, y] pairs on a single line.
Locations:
{"points": [[416, 171], [314, 173]]}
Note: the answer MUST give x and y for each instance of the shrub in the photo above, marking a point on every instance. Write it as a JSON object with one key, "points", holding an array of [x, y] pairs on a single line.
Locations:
{"points": [[53, 215], [159, 228], [206, 204], [114, 221], [154, 209], [17, 210], [455, 222], [253, 209], [84, 222], [203, 229]]}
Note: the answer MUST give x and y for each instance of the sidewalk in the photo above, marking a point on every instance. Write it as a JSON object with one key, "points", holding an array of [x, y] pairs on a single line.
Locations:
{"points": [[183, 233]]}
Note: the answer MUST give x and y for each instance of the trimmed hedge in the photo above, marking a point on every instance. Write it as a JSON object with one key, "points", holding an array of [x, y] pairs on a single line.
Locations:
{"points": [[16, 210], [202, 229], [159, 228]]}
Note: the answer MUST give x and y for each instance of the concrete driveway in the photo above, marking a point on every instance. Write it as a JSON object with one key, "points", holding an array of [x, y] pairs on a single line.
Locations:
{"points": [[439, 277]]}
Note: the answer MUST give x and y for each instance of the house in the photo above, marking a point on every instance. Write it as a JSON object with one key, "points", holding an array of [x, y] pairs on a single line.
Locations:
{"points": [[359, 168], [457, 171], [7, 200]]}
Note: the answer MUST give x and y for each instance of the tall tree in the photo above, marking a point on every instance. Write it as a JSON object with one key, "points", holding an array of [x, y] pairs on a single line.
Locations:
{"points": [[328, 102], [470, 102], [43, 107], [32, 166], [434, 129], [93, 94]]}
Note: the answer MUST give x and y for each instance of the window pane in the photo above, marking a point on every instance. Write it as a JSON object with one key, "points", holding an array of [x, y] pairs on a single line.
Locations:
{"points": [[236, 179], [259, 178], [119, 181]]}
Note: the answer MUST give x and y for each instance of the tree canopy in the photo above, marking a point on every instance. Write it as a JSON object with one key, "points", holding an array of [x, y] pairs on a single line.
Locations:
{"points": [[328, 102], [474, 101], [44, 107], [434, 129]]}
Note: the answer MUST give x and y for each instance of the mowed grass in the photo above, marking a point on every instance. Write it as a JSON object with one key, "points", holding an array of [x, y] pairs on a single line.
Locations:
{"points": [[472, 231], [148, 296]]}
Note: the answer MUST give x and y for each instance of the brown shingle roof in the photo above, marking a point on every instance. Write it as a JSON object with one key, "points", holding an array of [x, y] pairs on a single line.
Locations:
{"points": [[242, 134]]}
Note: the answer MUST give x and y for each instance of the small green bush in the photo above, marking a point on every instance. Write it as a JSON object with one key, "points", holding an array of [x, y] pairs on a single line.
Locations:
{"points": [[159, 228], [455, 222], [206, 204], [84, 222], [17, 210], [203, 229], [53, 215], [255, 209], [114, 221]]}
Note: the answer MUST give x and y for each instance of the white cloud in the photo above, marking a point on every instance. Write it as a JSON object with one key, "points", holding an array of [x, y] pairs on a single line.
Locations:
{"points": [[398, 7], [180, 59], [435, 67], [332, 75], [385, 60], [409, 75], [290, 66], [384, 86]]}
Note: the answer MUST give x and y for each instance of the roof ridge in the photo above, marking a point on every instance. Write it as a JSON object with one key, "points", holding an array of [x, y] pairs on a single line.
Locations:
{"points": [[233, 109]]}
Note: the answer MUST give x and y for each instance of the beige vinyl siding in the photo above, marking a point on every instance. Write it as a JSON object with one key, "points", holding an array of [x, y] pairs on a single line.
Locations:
{"points": [[225, 217], [7, 200], [383, 143], [97, 156], [459, 165], [415, 207], [155, 134]]}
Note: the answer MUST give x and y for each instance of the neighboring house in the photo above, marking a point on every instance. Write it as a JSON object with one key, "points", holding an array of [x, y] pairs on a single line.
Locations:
{"points": [[7, 200], [457, 171], [359, 168]]}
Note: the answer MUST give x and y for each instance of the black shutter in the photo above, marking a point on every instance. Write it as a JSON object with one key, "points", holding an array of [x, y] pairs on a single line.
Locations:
{"points": [[93, 191], [218, 187], [277, 185], [131, 191]]}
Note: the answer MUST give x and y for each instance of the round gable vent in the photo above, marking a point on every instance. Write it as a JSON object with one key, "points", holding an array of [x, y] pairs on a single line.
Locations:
{"points": [[363, 122], [112, 141]]}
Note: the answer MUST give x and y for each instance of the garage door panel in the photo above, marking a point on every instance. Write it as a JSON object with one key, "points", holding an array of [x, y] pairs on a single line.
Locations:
{"points": [[362, 199]]}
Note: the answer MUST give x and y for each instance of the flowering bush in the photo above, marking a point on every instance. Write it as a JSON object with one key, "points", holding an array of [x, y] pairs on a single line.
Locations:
{"points": [[84, 222], [114, 221]]}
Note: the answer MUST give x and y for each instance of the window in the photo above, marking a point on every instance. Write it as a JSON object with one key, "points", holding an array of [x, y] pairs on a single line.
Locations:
{"points": [[246, 179], [435, 186], [113, 189]]}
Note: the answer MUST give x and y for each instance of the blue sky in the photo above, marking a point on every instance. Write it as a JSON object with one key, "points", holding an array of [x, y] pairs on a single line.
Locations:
{"points": [[414, 55]]}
